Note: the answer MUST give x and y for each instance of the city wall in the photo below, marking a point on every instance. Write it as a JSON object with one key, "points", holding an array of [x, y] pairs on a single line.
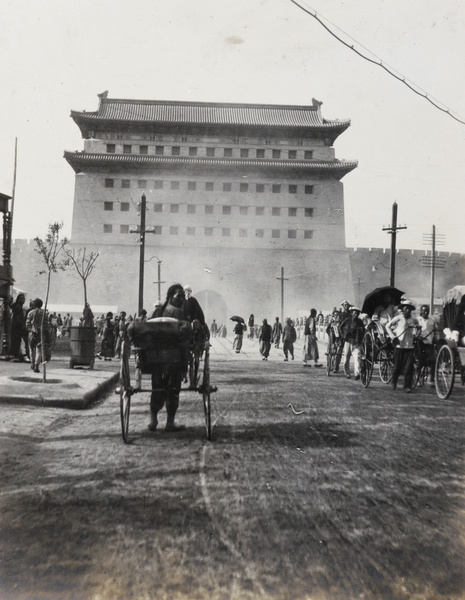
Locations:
{"points": [[237, 281]]}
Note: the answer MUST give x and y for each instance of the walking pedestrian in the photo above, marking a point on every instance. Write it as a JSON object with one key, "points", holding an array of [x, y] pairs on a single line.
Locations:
{"points": [[34, 322], [18, 330], [167, 378], [428, 337], [107, 347], [277, 332], [289, 337], [214, 328], [403, 329], [311, 344], [352, 330], [251, 326], [264, 337], [120, 332], [238, 335]]}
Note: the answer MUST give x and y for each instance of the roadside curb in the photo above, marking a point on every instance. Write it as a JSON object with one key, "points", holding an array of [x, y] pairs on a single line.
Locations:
{"points": [[82, 403], [98, 391]]}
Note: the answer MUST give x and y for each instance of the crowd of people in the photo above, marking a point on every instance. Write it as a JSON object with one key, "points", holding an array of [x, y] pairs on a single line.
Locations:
{"points": [[32, 332], [391, 322], [23, 329]]}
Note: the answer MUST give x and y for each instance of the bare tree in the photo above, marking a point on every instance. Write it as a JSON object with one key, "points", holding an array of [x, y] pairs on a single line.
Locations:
{"points": [[83, 263], [51, 250]]}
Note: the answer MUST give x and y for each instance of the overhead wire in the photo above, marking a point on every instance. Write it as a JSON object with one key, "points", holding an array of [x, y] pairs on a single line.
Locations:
{"points": [[380, 63]]}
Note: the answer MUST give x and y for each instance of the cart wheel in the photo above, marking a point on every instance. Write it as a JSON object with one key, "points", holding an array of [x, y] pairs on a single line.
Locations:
{"points": [[386, 366], [366, 370], [125, 406], [138, 379], [125, 392], [194, 364], [444, 372], [206, 392], [329, 357]]}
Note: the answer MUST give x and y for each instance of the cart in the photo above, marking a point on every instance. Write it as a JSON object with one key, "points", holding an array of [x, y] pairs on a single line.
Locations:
{"points": [[450, 360], [377, 347], [160, 342]]}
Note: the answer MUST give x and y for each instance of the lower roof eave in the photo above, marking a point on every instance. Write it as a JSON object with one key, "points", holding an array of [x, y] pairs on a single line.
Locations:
{"points": [[82, 161]]}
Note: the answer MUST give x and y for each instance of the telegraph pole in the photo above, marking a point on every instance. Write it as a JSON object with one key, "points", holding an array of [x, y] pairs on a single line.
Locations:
{"points": [[141, 230], [393, 229], [433, 261], [282, 279]]}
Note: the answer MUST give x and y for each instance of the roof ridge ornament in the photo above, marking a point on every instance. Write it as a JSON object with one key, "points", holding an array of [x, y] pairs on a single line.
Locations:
{"points": [[103, 96]]}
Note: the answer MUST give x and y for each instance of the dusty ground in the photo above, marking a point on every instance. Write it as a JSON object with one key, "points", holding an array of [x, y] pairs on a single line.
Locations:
{"points": [[360, 495]]}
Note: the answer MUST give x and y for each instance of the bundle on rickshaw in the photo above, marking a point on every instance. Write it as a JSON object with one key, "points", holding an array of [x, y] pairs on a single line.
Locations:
{"points": [[160, 340]]}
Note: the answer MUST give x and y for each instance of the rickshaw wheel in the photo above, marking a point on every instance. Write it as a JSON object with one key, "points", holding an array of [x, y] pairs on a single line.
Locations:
{"points": [[125, 406], [386, 366], [125, 391], [329, 358], [366, 370], [444, 372], [206, 392], [194, 364]]}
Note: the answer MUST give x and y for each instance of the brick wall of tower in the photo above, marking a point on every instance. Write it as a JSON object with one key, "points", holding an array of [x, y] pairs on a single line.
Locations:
{"points": [[206, 209]]}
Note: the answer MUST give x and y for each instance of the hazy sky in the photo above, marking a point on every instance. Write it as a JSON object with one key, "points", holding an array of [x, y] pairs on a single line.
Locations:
{"points": [[58, 55]]}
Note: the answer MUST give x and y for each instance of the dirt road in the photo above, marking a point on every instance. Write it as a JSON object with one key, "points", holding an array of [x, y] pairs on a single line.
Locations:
{"points": [[313, 488]]}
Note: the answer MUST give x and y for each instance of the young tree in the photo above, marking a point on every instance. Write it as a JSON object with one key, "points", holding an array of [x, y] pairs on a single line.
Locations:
{"points": [[83, 263], [51, 250]]}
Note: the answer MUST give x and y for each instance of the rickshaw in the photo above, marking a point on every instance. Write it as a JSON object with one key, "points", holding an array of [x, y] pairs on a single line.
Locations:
{"points": [[154, 343], [377, 347], [450, 360]]}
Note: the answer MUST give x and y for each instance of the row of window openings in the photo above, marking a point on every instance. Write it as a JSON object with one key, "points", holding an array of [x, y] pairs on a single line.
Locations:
{"points": [[225, 231], [227, 152], [226, 210], [210, 186]]}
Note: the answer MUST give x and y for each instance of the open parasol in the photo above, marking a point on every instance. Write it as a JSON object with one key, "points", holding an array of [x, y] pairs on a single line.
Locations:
{"points": [[238, 319], [377, 296]]}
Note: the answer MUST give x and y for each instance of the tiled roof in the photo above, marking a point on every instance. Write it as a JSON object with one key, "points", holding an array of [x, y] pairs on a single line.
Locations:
{"points": [[80, 160], [207, 113]]}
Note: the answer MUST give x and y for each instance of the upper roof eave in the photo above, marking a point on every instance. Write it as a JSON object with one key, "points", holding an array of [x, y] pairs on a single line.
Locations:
{"points": [[207, 114]]}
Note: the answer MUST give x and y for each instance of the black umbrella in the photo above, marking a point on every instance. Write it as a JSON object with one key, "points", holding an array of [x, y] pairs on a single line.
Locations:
{"points": [[377, 297], [238, 319]]}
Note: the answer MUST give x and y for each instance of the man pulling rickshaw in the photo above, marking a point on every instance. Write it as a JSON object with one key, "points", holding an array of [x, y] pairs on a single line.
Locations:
{"points": [[161, 347]]}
